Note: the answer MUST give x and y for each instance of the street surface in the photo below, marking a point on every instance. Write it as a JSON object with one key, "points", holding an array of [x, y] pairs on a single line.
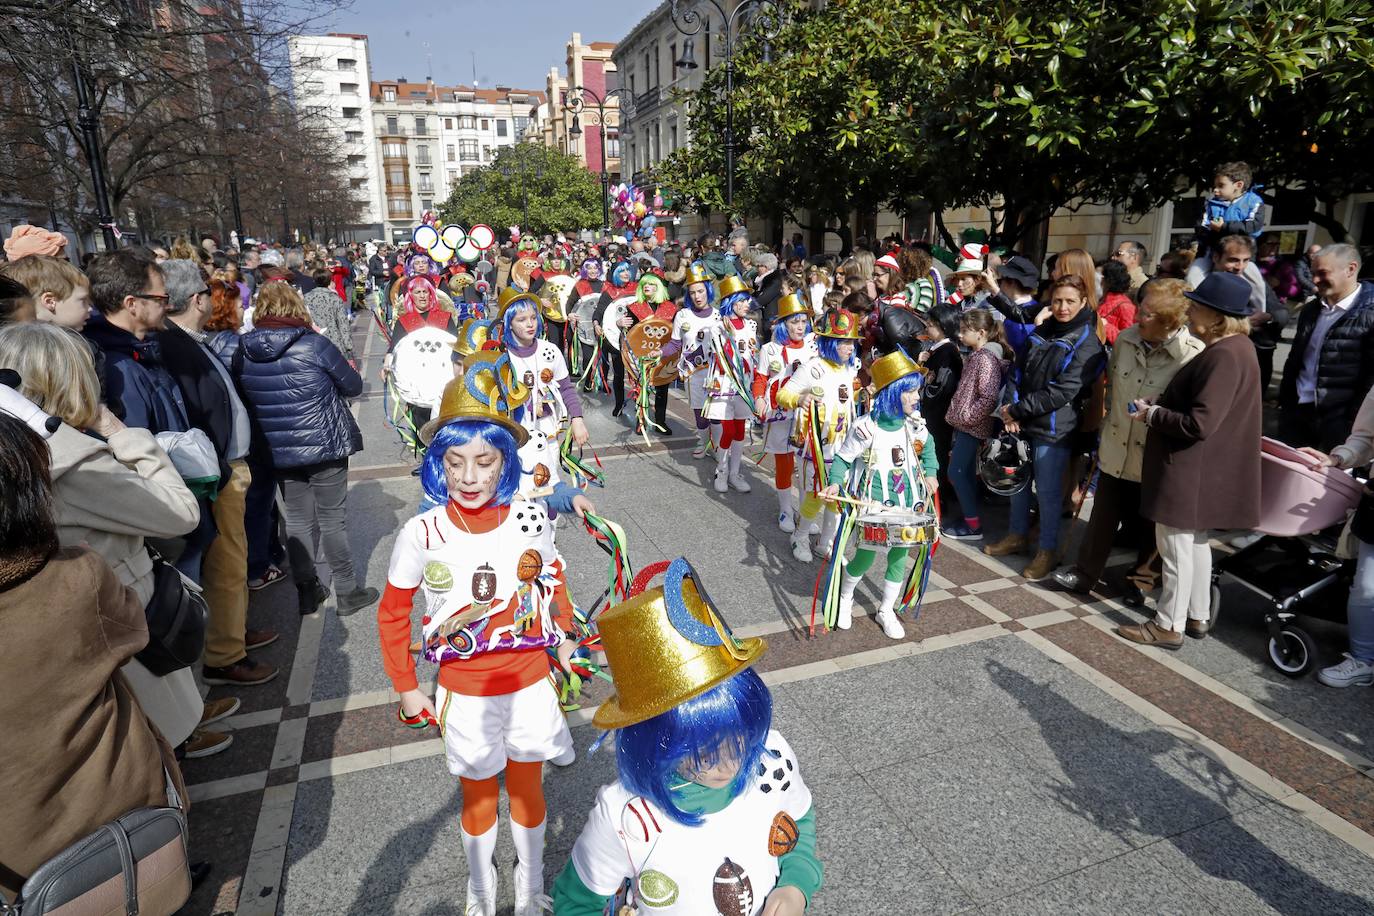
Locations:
{"points": [[1011, 755]]}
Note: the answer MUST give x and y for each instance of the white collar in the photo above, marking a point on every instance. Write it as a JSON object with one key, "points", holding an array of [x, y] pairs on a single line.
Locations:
{"points": [[1344, 304]]}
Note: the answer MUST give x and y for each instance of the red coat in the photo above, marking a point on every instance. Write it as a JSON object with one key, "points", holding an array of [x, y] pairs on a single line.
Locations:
{"points": [[1117, 312]]}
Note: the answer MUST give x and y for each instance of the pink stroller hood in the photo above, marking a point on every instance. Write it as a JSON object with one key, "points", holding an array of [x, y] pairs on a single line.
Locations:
{"points": [[1297, 499]]}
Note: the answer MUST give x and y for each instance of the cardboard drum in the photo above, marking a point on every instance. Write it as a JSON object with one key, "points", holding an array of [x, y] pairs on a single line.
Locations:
{"points": [[645, 340]]}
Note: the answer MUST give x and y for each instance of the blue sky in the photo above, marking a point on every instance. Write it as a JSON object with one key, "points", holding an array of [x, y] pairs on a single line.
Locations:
{"points": [[515, 44]]}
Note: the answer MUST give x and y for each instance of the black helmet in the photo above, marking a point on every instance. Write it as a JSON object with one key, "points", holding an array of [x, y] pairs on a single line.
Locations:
{"points": [[1004, 464]]}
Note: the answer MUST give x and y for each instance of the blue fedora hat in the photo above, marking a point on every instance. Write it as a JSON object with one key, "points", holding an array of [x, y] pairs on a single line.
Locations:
{"points": [[1226, 293]]}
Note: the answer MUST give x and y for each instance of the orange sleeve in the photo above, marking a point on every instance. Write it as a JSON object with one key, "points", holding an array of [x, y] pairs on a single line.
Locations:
{"points": [[760, 384], [393, 625]]}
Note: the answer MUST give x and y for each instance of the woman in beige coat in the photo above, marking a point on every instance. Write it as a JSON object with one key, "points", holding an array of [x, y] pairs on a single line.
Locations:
{"points": [[109, 493], [1144, 360]]}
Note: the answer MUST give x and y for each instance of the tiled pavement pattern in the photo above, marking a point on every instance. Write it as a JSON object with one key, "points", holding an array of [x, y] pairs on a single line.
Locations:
{"points": [[1010, 755]]}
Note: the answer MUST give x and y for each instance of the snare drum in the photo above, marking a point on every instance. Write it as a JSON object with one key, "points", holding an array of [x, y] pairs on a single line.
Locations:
{"points": [[895, 529]]}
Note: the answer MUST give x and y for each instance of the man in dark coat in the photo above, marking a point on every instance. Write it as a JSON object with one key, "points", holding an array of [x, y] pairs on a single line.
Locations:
{"points": [[1331, 365]]}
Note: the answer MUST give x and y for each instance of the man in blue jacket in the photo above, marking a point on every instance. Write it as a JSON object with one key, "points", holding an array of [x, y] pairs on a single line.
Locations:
{"points": [[128, 292]]}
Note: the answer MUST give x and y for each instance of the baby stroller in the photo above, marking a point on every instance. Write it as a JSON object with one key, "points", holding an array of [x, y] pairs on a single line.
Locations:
{"points": [[1294, 566]]}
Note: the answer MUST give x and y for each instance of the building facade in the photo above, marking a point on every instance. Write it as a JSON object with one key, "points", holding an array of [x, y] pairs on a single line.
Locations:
{"points": [[427, 137], [330, 78], [588, 66]]}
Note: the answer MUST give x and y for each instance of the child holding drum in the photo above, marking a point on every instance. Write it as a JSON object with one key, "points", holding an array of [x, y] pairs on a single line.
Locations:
{"points": [[897, 480]]}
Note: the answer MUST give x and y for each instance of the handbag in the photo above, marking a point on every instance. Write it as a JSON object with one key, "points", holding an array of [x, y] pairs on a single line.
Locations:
{"points": [[176, 620], [140, 858]]}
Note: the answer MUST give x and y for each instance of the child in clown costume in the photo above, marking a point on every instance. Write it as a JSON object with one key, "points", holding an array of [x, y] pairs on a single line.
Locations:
{"points": [[731, 352], [793, 345], [692, 326], [710, 813], [899, 468], [541, 367], [495, 599], [827, 383]]}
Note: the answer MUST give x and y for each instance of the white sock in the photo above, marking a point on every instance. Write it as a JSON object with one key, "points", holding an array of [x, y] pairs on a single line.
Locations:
{"points": [[891, 592], [529, 848], [736, 456], [829, 526], [481, 873], [785, 506], [847, 586]]}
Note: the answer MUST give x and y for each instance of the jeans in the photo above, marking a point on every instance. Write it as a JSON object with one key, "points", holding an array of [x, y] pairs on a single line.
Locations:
{"points": [[1049, 461], [1360, 611], [197, 542], [963, 472], [225, 573], [317, 495]]}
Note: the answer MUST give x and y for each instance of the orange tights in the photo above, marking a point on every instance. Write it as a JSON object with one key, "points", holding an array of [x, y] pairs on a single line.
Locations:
{"points": [[783, 465], [525, 787]]}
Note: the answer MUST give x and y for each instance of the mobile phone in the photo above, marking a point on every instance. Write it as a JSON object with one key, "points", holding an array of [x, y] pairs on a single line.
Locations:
{"points": [[1131, 408]]}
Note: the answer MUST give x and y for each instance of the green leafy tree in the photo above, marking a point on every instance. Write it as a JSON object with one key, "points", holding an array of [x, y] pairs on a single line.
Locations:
{"points": [[529, 185]]}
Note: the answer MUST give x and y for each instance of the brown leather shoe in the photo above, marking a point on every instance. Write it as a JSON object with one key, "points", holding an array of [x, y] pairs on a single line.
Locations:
{"points": [[1012, 543], [215, 710], [1198, 629], [244, 673], [256, 639], [1041, 565], [1151, 634]]}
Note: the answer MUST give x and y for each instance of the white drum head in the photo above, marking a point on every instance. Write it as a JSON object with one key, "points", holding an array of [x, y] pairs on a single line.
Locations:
{"points": [[423, 365], [610, 322]]}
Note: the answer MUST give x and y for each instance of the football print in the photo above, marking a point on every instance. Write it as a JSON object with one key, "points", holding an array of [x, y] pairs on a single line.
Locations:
{"points": [[529, 566], [540, 475], [734, 892], [783, 835], [484, 584], [656, 889]]}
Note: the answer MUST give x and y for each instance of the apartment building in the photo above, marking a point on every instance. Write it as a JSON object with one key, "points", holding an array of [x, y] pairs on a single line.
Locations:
{"points": [[588, 66]]}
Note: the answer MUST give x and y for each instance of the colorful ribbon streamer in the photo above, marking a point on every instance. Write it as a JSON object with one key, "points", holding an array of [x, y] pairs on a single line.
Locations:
{"points": [[611, 537], [582, 472]]}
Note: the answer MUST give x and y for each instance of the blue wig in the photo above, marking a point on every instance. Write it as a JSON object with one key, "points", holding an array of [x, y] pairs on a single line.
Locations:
{"points": [[710, 295], [780, 335], [887, 406], [507, 337], [829, 349], [733, 717], [461, 432], [727, 305]]}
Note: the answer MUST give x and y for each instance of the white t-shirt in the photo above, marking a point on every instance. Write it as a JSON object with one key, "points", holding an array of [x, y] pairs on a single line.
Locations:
{"points": [[541, 372], [692, 330], [726, 865]]}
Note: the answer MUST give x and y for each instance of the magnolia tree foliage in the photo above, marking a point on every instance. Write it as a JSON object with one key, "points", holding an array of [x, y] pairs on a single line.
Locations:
{"points": [[1027, 107], [554, 188]]}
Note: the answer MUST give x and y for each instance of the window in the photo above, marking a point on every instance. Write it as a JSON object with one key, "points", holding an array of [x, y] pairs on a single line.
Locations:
{"points": [[450, 152], [486, 154], [486, 125], [706, 53], [310, 63], [657, 56], [357, 160], [393, 151], [353, 136], [392, 126], [422, 155], [500, 127], [347, 63], [357, 184], [448, 124], [421, 127], [612, 145], [653, 144], [348, 88], [398, 207], [648, 71], [672, 59], [349, 112], [426, 185], [612, 79], [467, 122], [388, 93], [312, 87], [397, 175], [521, 125], [632, 82], [467, 149], [452, 178], [672, 137], [426, 203]]}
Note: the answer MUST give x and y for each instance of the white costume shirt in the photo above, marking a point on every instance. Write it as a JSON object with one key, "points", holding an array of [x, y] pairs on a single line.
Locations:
{"points": [[693, 331], [892, 460], [725, 865], [777, 363], [541, 372], [834, 387]]}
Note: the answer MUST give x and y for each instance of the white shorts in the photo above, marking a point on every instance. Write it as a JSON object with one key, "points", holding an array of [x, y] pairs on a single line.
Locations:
{"points": [[696, 389], [777, 433], [482, 733], [727, 408]]}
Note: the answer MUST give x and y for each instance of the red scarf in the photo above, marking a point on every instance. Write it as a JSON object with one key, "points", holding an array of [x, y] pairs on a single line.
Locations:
{"points": [[643, 311]]}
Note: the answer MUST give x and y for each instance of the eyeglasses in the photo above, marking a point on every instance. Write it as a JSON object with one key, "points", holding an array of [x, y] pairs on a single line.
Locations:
{"points": [[164, 300]]}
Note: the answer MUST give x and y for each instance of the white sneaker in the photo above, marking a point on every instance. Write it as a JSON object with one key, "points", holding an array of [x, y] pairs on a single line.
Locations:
{"points": [[1350, 673], [785, 522], [814, 528], [699, 451], [482, 904], [530, 901], [739, 483], [892, 627], [722, 480], [801, 549], [845, 619], [824, 549], [564, 759]]}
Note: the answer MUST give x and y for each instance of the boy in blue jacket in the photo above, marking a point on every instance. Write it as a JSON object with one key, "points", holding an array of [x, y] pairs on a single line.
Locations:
{"points": [[1233, 209]]}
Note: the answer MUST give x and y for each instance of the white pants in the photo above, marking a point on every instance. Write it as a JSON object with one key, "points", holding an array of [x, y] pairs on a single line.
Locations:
{"points": [[482, 733], [1186, 587]]}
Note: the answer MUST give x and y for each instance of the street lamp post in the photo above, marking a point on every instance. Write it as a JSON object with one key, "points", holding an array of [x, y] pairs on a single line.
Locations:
{"points": [[577, 104], [234, 197], [762, 16], [88, 122]]}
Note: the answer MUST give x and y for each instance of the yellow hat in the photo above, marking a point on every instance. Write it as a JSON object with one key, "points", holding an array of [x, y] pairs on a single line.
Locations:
{"points": [[696, 274], [665, 647], [839, 324], [887, 369], [488, 390], [730, 285], [472, 336], [790, 305]]}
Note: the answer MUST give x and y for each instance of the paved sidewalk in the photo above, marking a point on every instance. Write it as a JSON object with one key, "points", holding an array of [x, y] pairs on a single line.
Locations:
{"points": [[1010, 755]]}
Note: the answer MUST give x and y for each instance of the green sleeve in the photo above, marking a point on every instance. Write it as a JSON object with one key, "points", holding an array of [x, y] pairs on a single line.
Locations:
{"points": [[944, 255], [799, 868], [839, 470], [573, 898], [930, 462]]}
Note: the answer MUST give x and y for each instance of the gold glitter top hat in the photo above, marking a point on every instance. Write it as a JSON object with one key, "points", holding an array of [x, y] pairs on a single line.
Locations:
{"points": [[696, 274], [488, 390], [666, 646], [790, 305], [728, 286], [887, 369], [839, 324]]}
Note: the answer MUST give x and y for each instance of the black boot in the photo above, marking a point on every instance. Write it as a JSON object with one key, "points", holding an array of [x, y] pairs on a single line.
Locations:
{"points": [[312, 595], [355, 600]]}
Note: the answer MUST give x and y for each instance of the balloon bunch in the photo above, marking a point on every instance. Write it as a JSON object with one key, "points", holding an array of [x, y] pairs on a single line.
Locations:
{"points": [[444, 243], [635, 211]]}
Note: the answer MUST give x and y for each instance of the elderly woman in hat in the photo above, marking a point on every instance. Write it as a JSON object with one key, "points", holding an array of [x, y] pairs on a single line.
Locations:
{"points": [[1201, 468], [709, 812], [496, 599]]}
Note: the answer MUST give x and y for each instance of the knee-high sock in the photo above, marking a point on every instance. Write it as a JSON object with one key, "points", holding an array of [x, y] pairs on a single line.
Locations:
{"points": [[829, 526], [847, 586], [891, 592], [479, 849], [529, 848], [736, 456]]}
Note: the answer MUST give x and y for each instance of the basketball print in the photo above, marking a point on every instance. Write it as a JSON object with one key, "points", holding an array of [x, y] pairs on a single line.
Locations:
{"points": [[657, 890], [529, 566], [783, 835], [545, 375], [734, 892]]}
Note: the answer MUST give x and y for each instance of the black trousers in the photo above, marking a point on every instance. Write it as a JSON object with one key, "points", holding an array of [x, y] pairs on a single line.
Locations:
{"points": [[1117, 505]]}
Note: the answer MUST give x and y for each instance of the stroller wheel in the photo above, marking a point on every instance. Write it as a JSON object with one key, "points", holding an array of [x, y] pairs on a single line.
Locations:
{"points": [[1292, 651]]}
